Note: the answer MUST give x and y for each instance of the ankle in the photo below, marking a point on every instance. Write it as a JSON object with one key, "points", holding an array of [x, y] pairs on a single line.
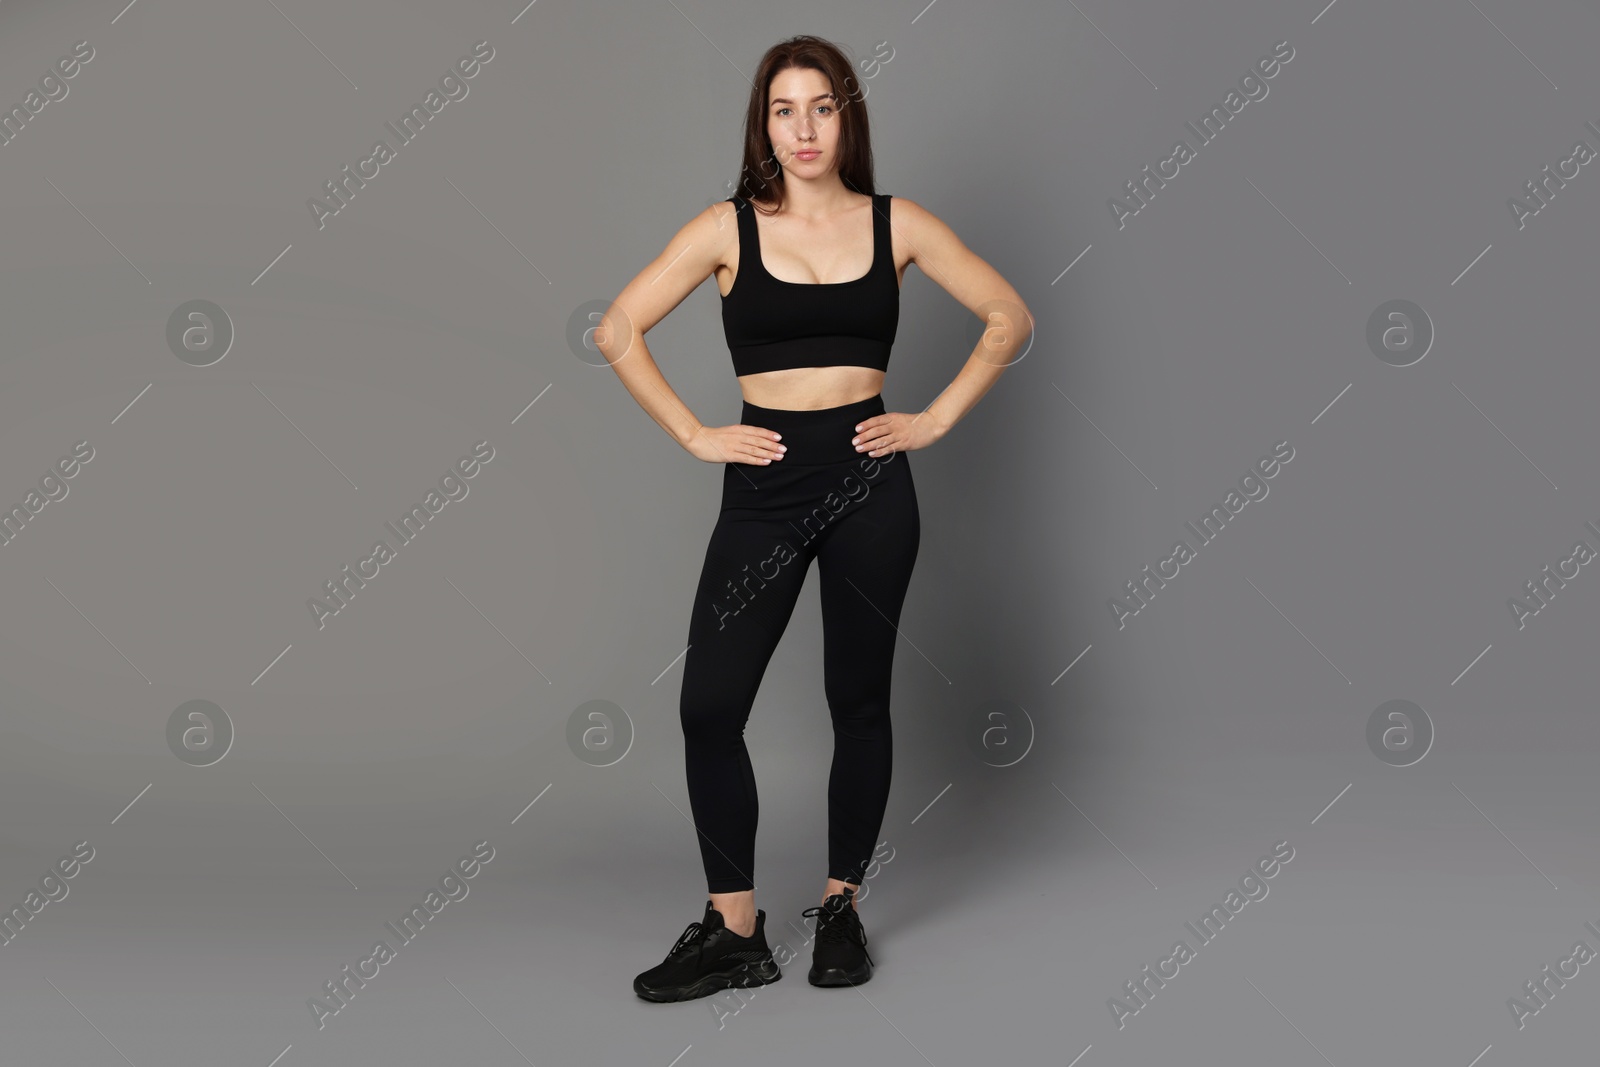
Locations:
{"points": [[738, 911], [836, 888]]}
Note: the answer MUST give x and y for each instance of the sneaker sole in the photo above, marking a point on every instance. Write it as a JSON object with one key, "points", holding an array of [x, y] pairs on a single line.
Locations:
{"points": [[747, 976], [833, 976]]}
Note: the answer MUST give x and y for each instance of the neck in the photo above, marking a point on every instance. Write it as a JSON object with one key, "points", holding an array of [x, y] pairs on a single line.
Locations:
{"points": [[821, 198]]}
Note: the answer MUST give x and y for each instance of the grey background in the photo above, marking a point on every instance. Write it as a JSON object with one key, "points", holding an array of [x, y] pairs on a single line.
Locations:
{"points": [[369, 755]]}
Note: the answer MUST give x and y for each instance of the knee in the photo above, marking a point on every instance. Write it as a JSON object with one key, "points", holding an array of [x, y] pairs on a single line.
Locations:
{"points": [[859, 713], [711, 720]]}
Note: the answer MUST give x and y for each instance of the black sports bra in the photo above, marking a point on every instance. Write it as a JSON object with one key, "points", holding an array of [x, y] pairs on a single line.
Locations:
{"points": [[771, 324]]}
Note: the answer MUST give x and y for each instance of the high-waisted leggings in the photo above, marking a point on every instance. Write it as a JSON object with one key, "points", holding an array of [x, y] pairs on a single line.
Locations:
{"points": [[857, 516]]}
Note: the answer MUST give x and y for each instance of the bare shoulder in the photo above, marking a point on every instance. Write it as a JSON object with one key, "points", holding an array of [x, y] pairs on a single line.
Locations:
{"points": [[918, 228], [701, 247], [708, 242], [945, 258], [714, 226], [907, 212]]}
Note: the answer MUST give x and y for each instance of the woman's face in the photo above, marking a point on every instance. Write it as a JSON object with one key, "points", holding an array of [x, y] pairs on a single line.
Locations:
{"points": [[803, 122]]}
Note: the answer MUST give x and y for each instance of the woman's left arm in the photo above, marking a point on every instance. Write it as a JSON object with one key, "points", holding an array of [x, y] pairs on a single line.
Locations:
{"points": [[981, 289]]}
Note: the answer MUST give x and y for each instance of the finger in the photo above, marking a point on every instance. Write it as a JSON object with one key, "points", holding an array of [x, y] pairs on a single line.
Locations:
{"points": [[752, 449], [890, 438], [765, 446], [756, 443], [865, 440]]}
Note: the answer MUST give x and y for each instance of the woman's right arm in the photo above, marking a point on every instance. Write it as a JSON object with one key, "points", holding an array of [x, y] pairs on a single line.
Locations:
{"points": [[689, 258]]}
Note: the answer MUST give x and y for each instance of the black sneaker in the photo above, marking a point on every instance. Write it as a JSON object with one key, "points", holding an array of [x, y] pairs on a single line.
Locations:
{"points": [[709, 957], [839, 956]]}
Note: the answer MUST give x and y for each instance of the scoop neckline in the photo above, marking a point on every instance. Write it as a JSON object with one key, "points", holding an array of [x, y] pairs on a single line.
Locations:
{"points": [[814, 285]]}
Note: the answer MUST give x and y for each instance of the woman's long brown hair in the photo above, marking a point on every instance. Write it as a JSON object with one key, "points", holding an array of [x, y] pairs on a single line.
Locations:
{"points": [[760, 176]]}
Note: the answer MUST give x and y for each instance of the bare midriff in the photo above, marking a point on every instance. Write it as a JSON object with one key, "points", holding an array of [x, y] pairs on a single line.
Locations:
{"points": [[811, 388]]}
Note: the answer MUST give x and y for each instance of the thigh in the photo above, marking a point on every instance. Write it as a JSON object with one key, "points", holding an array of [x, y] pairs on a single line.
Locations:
{"points": [[865, 564], [749, 583]]}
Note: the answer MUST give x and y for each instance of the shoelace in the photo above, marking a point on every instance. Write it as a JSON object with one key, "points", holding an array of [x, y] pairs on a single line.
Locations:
{"points": [[694, 935], [837, 926]]}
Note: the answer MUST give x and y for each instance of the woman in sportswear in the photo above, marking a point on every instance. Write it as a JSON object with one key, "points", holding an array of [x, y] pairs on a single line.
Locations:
{"points": [[809, 261]]}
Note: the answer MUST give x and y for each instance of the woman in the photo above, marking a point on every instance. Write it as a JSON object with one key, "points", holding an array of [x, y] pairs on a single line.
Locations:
{"points": [[809, 263]]}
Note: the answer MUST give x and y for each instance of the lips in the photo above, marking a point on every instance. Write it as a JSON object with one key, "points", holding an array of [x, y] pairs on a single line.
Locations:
{"points": [[808, 153]]}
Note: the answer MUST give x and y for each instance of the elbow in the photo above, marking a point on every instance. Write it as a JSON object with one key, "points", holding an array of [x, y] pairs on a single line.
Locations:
{"points": [[1025, 323], [1024, 328], [612, 336]]}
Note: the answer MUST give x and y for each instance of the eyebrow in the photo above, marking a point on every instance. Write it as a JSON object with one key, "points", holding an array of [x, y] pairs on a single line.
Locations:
{"points": [[786, 100]]}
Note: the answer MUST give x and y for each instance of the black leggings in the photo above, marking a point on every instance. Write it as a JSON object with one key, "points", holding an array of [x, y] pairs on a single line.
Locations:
{"points": [[857, 516]]}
